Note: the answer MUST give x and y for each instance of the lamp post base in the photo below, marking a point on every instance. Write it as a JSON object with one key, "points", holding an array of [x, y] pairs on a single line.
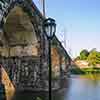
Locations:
{"points": [[2, 92]]}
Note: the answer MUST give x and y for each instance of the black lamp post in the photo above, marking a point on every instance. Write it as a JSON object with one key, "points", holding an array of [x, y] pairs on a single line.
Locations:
{"points": [[49, 28]]}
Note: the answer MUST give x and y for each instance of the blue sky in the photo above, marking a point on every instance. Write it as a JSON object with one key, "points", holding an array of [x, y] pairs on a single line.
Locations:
{"points": [[79, 18]]}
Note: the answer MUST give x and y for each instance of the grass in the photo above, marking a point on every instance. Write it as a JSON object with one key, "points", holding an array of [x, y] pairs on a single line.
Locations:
{"points": [[84, 70], [76, 71]]}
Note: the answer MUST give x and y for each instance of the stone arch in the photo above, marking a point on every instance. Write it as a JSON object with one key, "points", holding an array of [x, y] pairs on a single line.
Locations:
{"points": [[20, 30], [13, 47]]}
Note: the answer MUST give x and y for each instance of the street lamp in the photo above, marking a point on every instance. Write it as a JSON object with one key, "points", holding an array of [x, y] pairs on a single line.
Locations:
{"points": [[49, 28]]}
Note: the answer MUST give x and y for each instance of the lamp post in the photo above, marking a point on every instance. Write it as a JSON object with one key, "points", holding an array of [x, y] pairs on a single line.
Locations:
{"points": [[49, 28]]}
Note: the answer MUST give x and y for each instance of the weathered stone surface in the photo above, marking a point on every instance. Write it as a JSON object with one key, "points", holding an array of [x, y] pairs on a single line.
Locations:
{"points": [[17, 57], [23, 71], [55, 62], [4, 51], [9, 87], [2, 39], [24, 53], [19, 28]]}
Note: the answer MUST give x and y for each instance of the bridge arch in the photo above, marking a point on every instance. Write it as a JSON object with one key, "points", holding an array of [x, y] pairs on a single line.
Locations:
{"points": [[11, 33], [30, 69], [20, 33], [21, 47]]}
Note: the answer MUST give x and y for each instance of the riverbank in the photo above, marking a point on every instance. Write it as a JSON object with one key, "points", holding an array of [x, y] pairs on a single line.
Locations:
{"points": [[84, 70]]}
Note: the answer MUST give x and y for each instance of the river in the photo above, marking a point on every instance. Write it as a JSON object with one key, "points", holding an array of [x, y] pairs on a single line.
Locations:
{"points": [[82, 87], [78, 87]]}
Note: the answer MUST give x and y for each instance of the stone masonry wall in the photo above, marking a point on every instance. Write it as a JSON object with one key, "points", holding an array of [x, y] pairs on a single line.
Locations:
{"points": [[23, 71], [24, 50]]}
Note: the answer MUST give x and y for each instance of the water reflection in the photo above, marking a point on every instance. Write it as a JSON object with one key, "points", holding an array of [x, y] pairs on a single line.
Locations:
{"points": [[77, 87], [29, 95], [84, 88]]}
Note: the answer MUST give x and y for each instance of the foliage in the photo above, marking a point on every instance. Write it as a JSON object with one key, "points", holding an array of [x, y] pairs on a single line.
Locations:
{"points": [[98, 58], [84, 70], [94, 58], [94, 49], [76, 71], [84, 54]]}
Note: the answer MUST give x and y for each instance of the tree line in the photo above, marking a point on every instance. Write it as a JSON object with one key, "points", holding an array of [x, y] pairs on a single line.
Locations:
{"points": [[92, 56]]}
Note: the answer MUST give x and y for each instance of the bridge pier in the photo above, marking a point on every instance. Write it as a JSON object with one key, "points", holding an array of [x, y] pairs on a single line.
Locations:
{"points": [[24, 53]]}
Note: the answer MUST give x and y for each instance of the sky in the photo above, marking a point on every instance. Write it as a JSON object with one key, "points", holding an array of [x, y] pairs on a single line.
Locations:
{"points": [[79, 19]]}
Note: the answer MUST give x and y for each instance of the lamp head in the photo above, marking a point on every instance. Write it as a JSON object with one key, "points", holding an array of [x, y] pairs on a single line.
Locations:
{"points": [[49, 27]]}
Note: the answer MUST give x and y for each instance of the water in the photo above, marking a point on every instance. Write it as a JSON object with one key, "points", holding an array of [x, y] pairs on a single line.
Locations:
{"points": [[83, 87]]}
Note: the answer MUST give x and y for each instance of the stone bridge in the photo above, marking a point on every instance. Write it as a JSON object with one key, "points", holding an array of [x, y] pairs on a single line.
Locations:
{"points": [[24, 47]]}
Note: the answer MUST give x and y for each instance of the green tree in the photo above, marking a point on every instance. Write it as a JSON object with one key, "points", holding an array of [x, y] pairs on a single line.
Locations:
{"points": [[94, 49], [98, 58], [84, 54], [92, 58]]}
